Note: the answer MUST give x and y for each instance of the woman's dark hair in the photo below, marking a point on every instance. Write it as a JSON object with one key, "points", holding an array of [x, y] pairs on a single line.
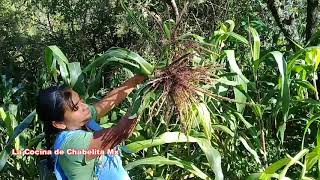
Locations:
{"points": [[51, 106]]}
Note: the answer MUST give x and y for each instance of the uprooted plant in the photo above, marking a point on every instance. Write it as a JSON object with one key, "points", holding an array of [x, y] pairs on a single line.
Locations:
{"points": [[181, 88]]}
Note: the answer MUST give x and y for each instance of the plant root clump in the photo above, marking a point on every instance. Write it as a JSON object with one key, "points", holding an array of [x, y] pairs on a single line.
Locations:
{"points": [[181, 85]]}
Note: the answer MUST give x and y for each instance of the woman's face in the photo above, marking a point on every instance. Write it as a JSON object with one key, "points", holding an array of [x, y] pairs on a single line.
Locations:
{"points": [[78, 116]]}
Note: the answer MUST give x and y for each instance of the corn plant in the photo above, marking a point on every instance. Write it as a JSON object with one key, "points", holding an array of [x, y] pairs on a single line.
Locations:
{"points": [[135, 63], [211, 106], [306, 159], [203, 51], [16, 135]]}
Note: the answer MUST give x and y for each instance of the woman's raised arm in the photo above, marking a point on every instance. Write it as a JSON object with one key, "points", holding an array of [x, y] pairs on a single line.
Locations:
{"points": [[117, 95]]}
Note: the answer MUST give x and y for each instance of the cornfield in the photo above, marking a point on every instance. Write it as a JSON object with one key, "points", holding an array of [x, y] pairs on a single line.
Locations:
{"points": [[221, 105]]}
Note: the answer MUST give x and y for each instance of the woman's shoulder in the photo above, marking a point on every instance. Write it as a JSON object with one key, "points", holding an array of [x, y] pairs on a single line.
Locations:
{"points": [[77, 139]]}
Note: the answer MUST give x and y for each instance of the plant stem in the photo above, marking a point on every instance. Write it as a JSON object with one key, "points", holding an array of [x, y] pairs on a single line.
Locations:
{"points": [[314, 79], [263, 140], [262, 128], [175, 8]]}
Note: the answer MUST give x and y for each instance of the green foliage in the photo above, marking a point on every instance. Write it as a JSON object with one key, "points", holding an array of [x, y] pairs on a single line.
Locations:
{"points": [[212, 155], [158, 160], [263, 106]]}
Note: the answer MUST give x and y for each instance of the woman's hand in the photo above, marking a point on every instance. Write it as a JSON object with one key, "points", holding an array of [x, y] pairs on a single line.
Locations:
{"points": [[109, 138]]}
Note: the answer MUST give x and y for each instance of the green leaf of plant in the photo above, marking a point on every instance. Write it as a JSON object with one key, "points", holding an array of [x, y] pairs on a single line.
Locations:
{"points": [[310, 121], [4, 155], [205, 119], [9, 124], [241, 79], [285, 93], [312, 158], [231, 25], [273, 168], [235, 36], [252, 151], [249, 126], [56, 52], [167, 26], [292, 161], [305, 84], [213, 156], [22, 126], [52, 55], [234, 66], [64, 72], [3, 114], [254, 176], [75, 71], [256, 44], [159, 160], [255, 50], [35, 141], [224, 80], [242, 140], [224, 129], [239, 96], [313, 57], [284, 86], [119, 56], [95, 81]]}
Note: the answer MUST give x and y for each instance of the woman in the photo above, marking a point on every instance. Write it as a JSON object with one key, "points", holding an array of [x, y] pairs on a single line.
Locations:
{"points": [[68, 119]]}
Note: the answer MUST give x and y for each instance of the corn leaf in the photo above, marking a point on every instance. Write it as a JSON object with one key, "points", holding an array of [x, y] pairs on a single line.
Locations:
{"points": [[306, 84], [315, 118], [285, 93], [241, 139], [255, 50], [313, 57], [237, 37], [273, 168], [205, 119], [22, 126], [234, 66], [159, 160], [119, 56], [95, 81], [4, 155], [312, 158], [240, 78], [253, 131], [292, 161], [252, 151], [54, 55], [75, 71], [213, 156], [256, 44]]}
